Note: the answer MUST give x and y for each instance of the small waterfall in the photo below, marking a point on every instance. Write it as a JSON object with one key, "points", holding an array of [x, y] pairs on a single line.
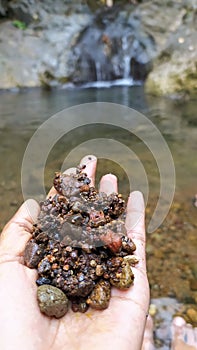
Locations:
{"points": [[126, 58], [111, 51], [98, 71]]}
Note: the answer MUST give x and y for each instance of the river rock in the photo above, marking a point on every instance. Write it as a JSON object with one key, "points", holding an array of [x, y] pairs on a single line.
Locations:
{"points": [[192, 314], [193, 284], [52, 301], [174, 67], [38, 55]]}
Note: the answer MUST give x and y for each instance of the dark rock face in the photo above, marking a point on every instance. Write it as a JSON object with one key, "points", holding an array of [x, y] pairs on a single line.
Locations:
{"points": [[38, 55], [3, 7], [64, 42], [113, 47], [31, 10]]}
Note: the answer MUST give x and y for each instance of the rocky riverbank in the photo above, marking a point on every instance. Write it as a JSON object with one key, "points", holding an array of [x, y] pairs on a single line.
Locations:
{"points": [[63, 43]]}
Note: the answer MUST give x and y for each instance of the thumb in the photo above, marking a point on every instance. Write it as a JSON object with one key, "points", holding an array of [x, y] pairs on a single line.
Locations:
{"points": [[18, 230]]}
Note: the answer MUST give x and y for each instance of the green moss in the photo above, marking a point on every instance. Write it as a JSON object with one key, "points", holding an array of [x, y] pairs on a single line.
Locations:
{"points": [[19, 24], [63, 80], [164, 81]]}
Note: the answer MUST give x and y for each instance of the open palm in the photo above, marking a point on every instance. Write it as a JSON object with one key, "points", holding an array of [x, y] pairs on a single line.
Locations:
{"points": [[22, 326]]}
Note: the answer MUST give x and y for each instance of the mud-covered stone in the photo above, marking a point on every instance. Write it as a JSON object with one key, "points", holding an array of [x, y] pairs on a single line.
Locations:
{"points": [[100, 296], [124, 278], [132, 260], [32, 254], [52, 301]]}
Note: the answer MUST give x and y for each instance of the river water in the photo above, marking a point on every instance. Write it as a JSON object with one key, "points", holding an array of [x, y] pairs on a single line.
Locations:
{"points": [[22, 113]]}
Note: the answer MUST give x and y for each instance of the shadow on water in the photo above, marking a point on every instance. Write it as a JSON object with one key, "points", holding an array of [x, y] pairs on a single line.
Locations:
{"points": [[22, 113]]}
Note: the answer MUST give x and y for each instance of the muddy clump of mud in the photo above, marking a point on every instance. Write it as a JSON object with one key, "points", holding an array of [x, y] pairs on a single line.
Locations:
{"points": [[79, 247]]}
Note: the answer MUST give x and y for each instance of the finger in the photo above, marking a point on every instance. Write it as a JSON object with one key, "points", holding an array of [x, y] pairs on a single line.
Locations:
{"points": [[148, 335], [108, 184], [18, 230], [90, 162], [135, 223], [53, 191]]}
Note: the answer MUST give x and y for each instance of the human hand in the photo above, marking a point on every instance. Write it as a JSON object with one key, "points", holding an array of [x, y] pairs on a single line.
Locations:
{"points": [[23, 326]]}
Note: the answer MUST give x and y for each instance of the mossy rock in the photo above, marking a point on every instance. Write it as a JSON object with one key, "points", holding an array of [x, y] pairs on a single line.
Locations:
{"points": [[177, 76]]}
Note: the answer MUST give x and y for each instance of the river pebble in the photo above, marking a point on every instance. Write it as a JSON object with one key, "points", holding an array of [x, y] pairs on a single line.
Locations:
{"points": [[52, 301]]}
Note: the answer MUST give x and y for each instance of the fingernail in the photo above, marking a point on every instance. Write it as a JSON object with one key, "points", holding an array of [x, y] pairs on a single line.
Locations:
{"points": [[88, 159]]}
